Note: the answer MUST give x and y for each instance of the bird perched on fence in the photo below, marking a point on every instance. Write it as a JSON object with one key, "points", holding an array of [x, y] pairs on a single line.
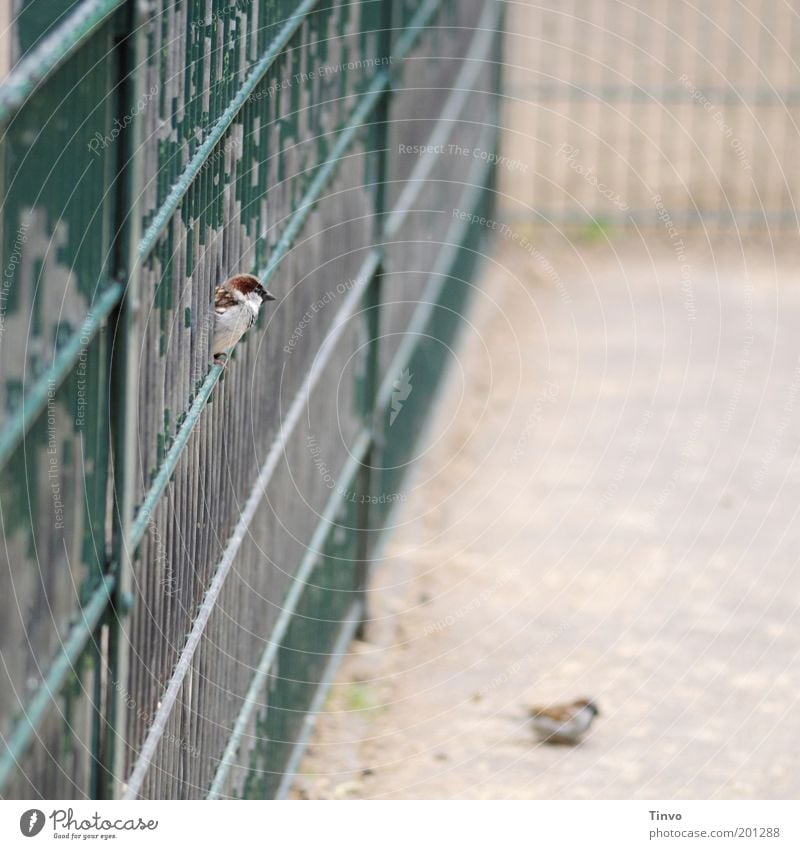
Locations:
{"points": [[563, 723], [237, 303]]}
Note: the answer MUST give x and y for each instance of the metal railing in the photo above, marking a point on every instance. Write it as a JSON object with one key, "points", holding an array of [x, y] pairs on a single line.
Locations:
{"points": [[187, 547]]}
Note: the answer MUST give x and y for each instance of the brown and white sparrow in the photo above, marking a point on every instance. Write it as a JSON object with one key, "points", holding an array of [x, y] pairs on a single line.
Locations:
{"points": [[563, 723], [237, 303]]}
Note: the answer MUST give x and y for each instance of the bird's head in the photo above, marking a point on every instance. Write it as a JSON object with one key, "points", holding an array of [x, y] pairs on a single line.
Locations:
{"points": [[249, 284], [587, 704]]}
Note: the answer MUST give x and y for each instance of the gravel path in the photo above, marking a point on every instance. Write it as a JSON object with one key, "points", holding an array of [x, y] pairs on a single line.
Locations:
{"points": [[607, 508]]}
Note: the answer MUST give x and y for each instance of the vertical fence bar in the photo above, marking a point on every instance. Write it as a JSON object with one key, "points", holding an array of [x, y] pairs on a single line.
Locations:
{"points": [[564, 46], [756, 126], [372, 311], [124, 394], [787, 206], [694, 168], [733, 50], [729, 61], [604, 63]]}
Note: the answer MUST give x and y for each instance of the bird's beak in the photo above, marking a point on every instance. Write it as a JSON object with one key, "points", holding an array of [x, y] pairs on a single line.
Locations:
{"points": [[268, 296]]}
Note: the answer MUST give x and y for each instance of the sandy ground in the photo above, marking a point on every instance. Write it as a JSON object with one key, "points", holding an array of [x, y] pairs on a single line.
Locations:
{"points": [[607, 507]]}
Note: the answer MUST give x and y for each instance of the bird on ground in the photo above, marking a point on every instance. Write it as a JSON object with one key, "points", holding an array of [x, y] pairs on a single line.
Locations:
{"points": [[237, 303], [563, 723]]}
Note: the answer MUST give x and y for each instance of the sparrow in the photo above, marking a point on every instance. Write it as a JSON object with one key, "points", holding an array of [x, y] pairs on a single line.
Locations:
{"points": [[563, 723], [237, 303]]}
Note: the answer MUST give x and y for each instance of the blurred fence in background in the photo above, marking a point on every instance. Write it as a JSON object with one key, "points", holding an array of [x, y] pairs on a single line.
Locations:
{"points": [[185, 550], [627, 111]]}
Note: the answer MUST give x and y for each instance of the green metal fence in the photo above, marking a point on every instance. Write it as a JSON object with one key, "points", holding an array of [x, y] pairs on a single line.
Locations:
{"points": [[185, 549]]}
